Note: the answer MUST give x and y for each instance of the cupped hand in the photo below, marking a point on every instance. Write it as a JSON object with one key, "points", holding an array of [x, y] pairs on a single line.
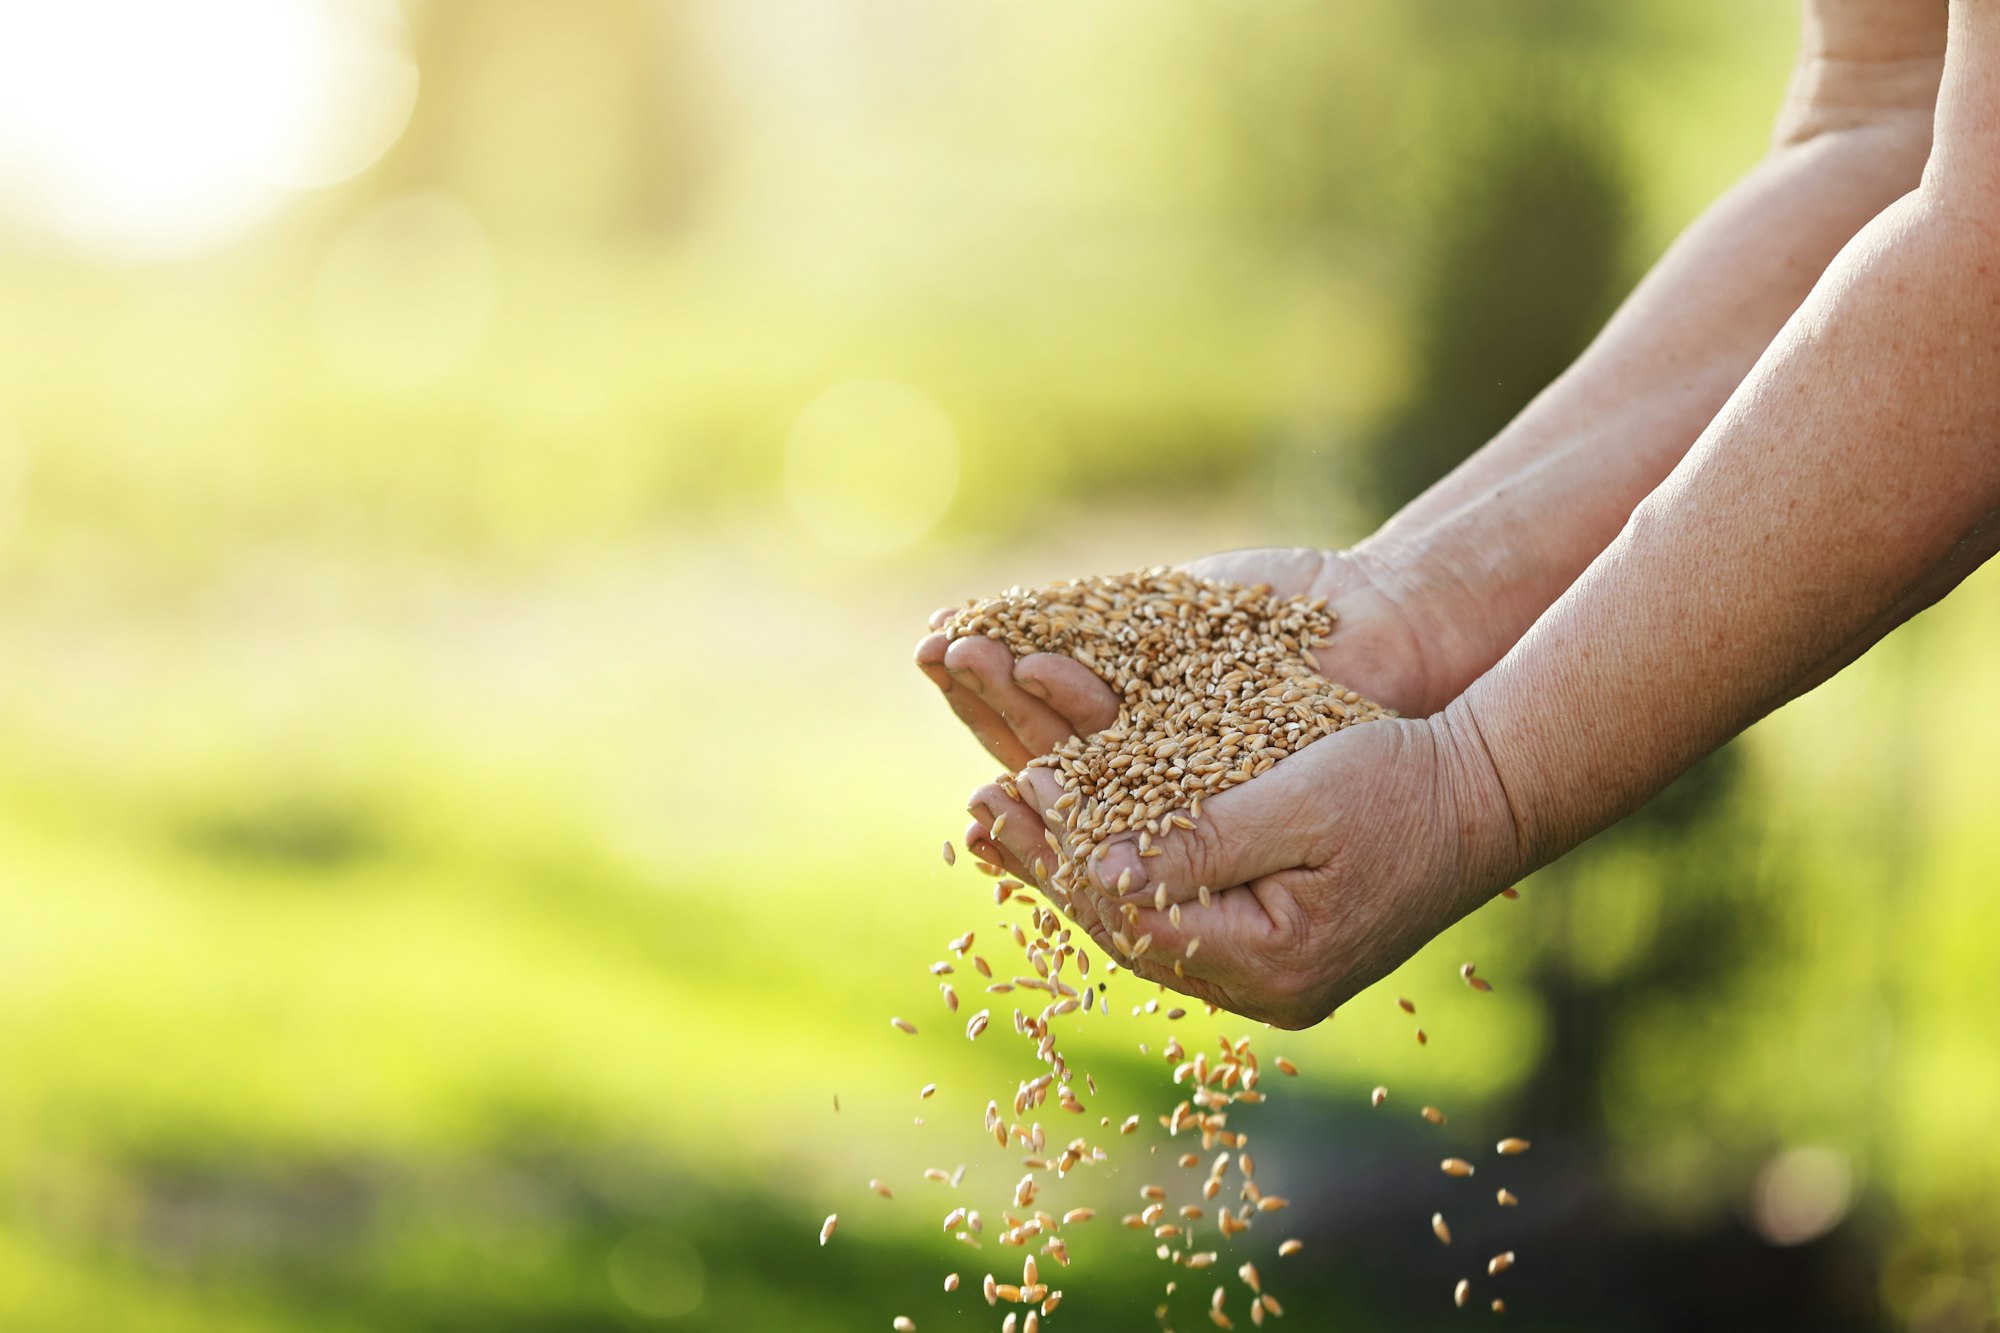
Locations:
{"points": [[1021, 709], [1325, 873]]}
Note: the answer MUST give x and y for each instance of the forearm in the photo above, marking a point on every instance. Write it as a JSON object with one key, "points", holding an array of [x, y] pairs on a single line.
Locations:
{"points": [[1852, 479], [1478, 557]]}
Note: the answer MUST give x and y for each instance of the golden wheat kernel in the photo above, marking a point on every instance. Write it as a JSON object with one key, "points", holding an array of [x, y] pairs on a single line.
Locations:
{"points": [[1439, 1228], [1432, 1114], [1499, 1263], [1405, 1005], [1499, 1306], [1422, 1039], [826, 1227], [1377, 1097], [1510, 1147], [903, 1324], [1506, 1199], [1457, 1166], [1289, 1248], [1461, 1292]]}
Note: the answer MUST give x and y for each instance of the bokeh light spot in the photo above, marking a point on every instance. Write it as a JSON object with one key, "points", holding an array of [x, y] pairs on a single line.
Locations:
{"points": [[871, 465], [657, 1274], [1801, 1194], [363, 88], [405, 293], [143, 130]]}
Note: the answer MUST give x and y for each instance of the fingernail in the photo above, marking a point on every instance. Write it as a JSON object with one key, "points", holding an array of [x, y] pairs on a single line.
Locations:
{"points": [[968, 680], [1034, 687], [1109, 868]]}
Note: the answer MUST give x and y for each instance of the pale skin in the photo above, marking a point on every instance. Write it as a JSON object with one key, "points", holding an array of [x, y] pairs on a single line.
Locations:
{"points": [[1785, 443]]}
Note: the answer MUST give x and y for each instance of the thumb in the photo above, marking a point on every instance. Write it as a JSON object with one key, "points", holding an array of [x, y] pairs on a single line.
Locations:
{"points": [[1256, 829]]}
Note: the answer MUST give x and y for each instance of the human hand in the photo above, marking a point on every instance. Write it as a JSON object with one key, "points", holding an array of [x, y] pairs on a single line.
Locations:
{"points": [[1325, 873], [1021, 709]]}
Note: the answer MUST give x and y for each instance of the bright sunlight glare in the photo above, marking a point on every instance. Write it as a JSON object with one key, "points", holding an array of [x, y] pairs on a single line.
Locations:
{"points": [[137, 129]]}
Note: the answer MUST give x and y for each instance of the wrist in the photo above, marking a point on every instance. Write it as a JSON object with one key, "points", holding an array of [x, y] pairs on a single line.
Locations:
{"points": [[1495, 843], [1463, 608]]}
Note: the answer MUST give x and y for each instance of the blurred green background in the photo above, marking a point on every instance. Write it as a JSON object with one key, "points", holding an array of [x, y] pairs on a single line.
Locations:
{"points": [[471, 475]]}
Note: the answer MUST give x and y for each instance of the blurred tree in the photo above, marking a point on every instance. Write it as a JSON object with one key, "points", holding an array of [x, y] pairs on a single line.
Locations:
{"points": [[1524, 260], [564, 121]]}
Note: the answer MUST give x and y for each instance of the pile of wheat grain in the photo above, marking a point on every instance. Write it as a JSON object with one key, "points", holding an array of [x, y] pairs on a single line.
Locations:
{"points": [[1216, 685]]}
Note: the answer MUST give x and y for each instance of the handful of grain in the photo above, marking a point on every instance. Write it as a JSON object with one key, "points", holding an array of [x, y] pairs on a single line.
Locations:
{"points": [[1216, 684]]}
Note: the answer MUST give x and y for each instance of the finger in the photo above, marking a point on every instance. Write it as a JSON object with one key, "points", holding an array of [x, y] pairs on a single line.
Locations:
{"points": [[1024, 838], [986, 666], [1073, 690], [941, 615], [1015, 825], [1101, 917], [929, 656], [1041, 788], [1252, 830], [986, 726], [982, 846]]}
